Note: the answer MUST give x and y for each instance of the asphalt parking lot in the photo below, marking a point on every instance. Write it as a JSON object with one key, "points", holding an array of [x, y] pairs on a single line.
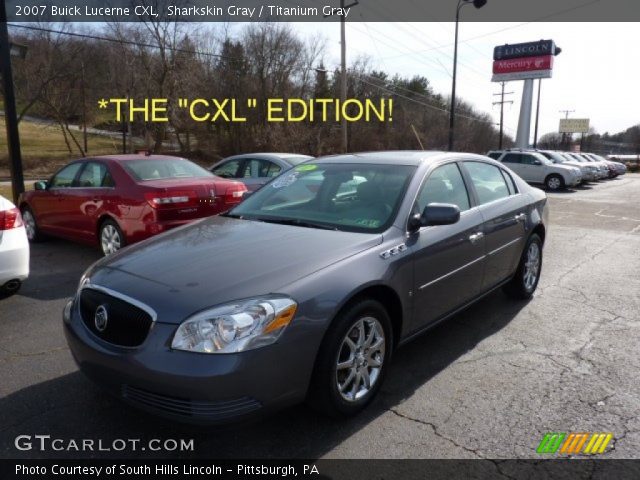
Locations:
{"points": [[488, 383]]}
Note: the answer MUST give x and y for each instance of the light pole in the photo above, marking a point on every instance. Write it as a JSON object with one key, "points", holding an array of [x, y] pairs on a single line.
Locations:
{"points": [[461, 3]]}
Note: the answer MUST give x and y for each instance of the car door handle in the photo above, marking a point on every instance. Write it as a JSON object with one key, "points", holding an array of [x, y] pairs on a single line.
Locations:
{"points": [[476, 237], [521, 217]]}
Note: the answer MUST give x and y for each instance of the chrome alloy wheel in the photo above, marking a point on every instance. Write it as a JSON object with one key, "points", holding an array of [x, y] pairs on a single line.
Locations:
{"points": [[29, 224], [360, 359], [110, 239], [532, 266]]}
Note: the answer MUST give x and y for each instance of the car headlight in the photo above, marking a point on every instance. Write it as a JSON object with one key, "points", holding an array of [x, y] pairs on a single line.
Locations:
{"points": [[236, 327]]}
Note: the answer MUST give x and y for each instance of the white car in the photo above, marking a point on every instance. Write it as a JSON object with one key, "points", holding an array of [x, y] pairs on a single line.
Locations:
{"points": [[14, 249], [589, 172], [533, 167], [603, 170]]}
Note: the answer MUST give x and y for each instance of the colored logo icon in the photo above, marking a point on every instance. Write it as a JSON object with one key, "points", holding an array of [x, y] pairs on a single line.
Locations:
{"points": [[574, 443]]}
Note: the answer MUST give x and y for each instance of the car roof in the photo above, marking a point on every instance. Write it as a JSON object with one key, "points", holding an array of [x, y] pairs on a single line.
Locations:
{"points": [[397, 157], [267, 155], [132, 156]]}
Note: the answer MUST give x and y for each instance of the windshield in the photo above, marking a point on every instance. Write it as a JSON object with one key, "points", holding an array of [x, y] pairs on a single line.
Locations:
{"points": [[574, 158], [163, 168], [349, 197], [555, 157]]}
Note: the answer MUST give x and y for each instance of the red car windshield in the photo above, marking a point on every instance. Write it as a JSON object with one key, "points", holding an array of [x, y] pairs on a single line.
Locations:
{"points": [[160, 169]]}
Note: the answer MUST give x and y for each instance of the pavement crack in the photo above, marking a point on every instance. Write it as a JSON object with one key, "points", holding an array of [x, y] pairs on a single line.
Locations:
{"points": [[434, 428]]}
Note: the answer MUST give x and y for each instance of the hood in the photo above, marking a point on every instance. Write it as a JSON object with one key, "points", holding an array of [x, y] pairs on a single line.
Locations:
{"points": [[218, 259], [570, 168]]}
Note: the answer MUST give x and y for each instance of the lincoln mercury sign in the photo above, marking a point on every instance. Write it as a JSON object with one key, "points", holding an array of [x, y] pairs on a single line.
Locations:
{"points": [[529, 49], [523, 61], [574, 125]]}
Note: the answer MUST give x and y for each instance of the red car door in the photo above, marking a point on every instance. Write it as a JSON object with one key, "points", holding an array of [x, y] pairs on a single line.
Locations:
{"points": [[52, 206], [88, 199]]}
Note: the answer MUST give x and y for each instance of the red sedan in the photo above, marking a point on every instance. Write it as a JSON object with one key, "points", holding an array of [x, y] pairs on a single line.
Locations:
{"points": [[115, 200]]}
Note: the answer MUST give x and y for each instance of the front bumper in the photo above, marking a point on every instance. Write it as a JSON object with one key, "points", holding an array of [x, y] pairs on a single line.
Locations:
{"points": [[187, 387], [574, 181]]}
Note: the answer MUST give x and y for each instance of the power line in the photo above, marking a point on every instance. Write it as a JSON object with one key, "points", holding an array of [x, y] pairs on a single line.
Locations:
{"points": [[121, 41], [414, 100]]}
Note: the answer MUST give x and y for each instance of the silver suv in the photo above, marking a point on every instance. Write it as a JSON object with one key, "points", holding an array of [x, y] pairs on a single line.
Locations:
{"points": [[533, 167]]}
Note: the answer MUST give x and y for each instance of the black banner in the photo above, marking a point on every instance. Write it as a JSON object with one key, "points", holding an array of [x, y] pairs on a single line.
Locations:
{"points": [[319, 469], [319, 11]]}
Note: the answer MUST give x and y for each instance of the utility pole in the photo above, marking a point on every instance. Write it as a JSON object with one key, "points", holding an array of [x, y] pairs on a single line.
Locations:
{"points": [[564, 135], [535, 132], [343, 76], [10, 111], [343, 71], [501, 103], [84, 112]]}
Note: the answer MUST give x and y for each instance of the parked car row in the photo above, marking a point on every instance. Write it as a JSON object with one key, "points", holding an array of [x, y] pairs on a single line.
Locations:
{"points": [[557, 170]]}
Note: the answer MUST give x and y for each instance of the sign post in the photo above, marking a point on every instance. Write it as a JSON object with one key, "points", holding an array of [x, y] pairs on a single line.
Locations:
{"points": [[524, 61]]}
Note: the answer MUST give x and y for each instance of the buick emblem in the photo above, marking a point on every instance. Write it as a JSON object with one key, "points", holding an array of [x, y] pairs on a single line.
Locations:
{"points": [[101, 318]]}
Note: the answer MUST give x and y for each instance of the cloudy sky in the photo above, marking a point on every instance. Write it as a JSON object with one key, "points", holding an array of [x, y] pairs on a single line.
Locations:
{"points": [[597, 74]]}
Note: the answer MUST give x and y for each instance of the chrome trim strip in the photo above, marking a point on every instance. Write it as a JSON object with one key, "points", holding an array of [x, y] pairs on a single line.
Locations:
{"points": [[504, 246], [452, 272], [122, 296]]}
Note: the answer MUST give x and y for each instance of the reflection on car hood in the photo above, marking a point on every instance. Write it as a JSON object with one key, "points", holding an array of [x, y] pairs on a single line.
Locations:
{"points": [[220, 259]]}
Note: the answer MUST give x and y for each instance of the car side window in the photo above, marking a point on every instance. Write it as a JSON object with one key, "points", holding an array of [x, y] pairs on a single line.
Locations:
{"points": [[256, 168], [444, 185], [228, 169], [488, 181], [529, 159], [64, 178], [512, 158], [93, 175]]}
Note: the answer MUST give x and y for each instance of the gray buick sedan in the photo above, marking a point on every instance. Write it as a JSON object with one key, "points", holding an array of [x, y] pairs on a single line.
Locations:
{"points": [[305, 289]]}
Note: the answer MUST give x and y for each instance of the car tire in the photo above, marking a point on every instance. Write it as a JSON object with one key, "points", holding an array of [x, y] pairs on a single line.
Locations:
{"points": [[110, 237], [554, 182], [346, 360], [525, 280], [30, 225], [10, 288]]}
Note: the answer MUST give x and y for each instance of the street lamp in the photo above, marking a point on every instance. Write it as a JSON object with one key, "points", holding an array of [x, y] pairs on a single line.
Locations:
{"points": [[461, 3]]}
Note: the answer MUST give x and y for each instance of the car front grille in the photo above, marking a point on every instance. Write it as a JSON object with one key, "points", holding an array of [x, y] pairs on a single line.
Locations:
{"points": [[126, 325], [212, 410]]}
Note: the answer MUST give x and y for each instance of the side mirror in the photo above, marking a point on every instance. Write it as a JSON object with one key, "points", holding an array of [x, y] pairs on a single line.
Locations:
{"points": [[41, 185], [537, 162], [435, 214]]}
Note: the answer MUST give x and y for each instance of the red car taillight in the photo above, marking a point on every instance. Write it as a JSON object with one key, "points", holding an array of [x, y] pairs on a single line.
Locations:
{"points": [[234, 193], [10, 219], [171, 199]]}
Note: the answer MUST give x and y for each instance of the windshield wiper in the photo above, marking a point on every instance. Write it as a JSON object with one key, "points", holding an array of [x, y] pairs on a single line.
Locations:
{"points": [[231, 215], [297, 223]]}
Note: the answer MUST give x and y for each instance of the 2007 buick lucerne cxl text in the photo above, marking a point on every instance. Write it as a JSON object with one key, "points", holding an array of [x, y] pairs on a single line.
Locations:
{"points": [[306, 288]]}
